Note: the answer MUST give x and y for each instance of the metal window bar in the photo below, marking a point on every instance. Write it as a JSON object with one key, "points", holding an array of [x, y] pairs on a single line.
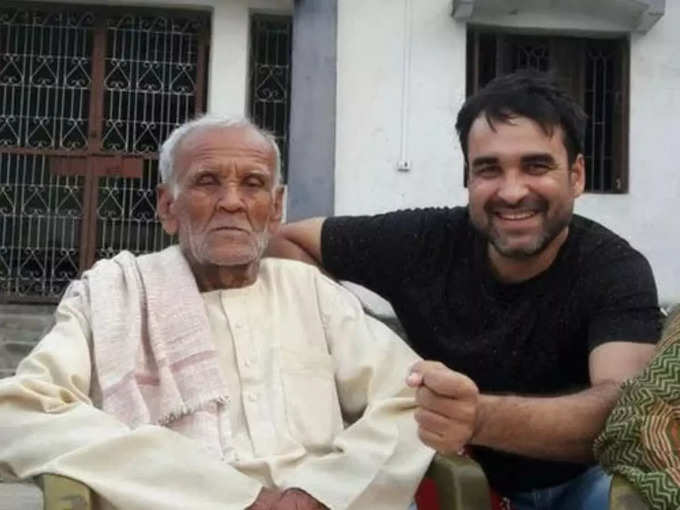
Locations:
{"points": [[151, 80], [599, 107], [57, 216], [154, 73], [44, 92], [270, 77], [126, 214], [40, 219]]}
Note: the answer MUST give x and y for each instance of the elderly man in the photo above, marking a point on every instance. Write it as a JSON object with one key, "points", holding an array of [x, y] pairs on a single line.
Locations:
{"points": [[201, 377]]}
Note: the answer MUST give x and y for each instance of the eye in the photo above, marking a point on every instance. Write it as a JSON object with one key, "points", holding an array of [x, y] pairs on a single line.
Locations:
{"points": [[537, 168], [206, 179], [486, 172], [254, 181]]}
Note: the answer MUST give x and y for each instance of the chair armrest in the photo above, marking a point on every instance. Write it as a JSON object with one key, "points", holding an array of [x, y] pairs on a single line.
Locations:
{"points": [[623, 496], [61, 493], [460, 483]]}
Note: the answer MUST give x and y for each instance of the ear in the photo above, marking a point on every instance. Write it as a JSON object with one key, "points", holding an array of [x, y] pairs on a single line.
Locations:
{"points": [[577, 176], [277, 209], [164, 203]]}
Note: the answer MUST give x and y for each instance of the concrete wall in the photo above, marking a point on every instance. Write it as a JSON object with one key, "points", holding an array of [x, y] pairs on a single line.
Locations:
{"points": [[573, 16], [371, 38]]}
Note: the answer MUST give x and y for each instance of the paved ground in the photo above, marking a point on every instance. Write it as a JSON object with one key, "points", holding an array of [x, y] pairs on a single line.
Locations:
{"points": [[20, 496], [21, 326]]}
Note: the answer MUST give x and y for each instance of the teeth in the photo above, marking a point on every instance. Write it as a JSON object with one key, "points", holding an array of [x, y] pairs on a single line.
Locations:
{"points": [[516, 215]]}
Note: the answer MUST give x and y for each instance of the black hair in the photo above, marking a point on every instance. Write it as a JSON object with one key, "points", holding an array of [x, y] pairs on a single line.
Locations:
{"points": [[531, 94]]}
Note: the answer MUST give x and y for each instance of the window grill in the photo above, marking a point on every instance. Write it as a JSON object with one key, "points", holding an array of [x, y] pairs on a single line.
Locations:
{"points": [[270, 77], [595, 71], [40, 222], [86, 97], [126, 214], [45, 78], [150, 79]]}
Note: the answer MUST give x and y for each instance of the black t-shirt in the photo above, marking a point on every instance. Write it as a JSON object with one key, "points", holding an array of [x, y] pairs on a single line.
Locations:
{"points": [[530, 338]]}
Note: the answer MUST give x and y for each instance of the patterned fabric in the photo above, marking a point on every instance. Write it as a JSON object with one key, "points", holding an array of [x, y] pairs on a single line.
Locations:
{"points": [[153, 357], [641, 439]]}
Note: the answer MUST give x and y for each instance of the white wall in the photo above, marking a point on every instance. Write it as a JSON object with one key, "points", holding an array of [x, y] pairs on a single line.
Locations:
{"points": [[370, 64], [228, 81], [370, 70]]}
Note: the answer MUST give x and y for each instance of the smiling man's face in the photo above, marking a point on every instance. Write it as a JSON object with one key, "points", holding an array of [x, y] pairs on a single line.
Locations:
{"points": [[521, 186], [226, 203]]}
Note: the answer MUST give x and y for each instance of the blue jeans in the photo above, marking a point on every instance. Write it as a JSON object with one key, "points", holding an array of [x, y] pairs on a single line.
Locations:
{"points": [[589, 491]]}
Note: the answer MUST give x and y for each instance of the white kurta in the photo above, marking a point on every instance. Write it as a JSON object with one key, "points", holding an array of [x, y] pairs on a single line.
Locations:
{"points": [[317, 401]]}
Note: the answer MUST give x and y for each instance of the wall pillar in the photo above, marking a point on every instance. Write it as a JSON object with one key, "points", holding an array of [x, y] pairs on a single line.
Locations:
{"points": [[311, 160]]}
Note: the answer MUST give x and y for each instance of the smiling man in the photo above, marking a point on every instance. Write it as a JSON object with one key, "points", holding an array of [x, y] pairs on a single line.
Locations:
{"points": [[200, 377], [532, 315]]}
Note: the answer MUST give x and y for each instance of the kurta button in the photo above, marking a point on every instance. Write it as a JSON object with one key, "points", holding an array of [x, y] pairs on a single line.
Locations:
{"points": [[252, 397]]}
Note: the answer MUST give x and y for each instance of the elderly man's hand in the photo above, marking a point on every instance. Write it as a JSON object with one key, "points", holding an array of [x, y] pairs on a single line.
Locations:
{"points": [[297, 499], [447, 413], [266, 499]]}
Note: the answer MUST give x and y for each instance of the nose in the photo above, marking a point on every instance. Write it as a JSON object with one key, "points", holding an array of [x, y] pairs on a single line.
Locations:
{"points": [[512, 188], [230, 198]]}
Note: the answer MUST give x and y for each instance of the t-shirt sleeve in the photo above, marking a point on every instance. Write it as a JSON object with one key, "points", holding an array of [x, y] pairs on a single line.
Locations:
{"points": [[378, 251], [626, 302]]}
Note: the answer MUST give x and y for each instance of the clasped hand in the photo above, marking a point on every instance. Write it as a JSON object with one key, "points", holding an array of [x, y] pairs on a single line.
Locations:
{"points": [[448, 406], [289, 499]]}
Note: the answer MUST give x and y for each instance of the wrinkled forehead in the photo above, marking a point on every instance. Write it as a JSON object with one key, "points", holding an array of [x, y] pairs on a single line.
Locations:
{"points": [[243, 143]]}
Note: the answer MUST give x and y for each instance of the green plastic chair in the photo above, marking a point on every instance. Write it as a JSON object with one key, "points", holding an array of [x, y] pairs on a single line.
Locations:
{"points": [[623, 496], [461, 485], [459, 481]]}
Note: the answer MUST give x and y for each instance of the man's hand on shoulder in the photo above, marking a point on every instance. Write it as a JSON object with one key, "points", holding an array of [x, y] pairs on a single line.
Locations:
{"points": [[300, 240], [448, 402]]}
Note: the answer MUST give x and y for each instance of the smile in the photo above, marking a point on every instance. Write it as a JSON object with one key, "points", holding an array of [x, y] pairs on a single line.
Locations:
{"points": [[515, 215]]}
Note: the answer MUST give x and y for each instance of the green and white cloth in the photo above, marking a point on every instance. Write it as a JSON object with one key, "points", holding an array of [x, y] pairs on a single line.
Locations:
{"points": [[641, 439]]}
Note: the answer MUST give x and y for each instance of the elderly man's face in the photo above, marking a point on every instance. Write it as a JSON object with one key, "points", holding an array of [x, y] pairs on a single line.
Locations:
{"points": [[226, 203]]}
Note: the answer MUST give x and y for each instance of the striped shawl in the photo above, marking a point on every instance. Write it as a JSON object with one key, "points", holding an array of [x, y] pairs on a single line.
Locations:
{"points": [[153, 357]]}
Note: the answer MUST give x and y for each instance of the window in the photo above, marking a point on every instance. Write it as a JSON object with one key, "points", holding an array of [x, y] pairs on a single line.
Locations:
{"points": [[595, 71], [86, 97], [270, 68]]}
